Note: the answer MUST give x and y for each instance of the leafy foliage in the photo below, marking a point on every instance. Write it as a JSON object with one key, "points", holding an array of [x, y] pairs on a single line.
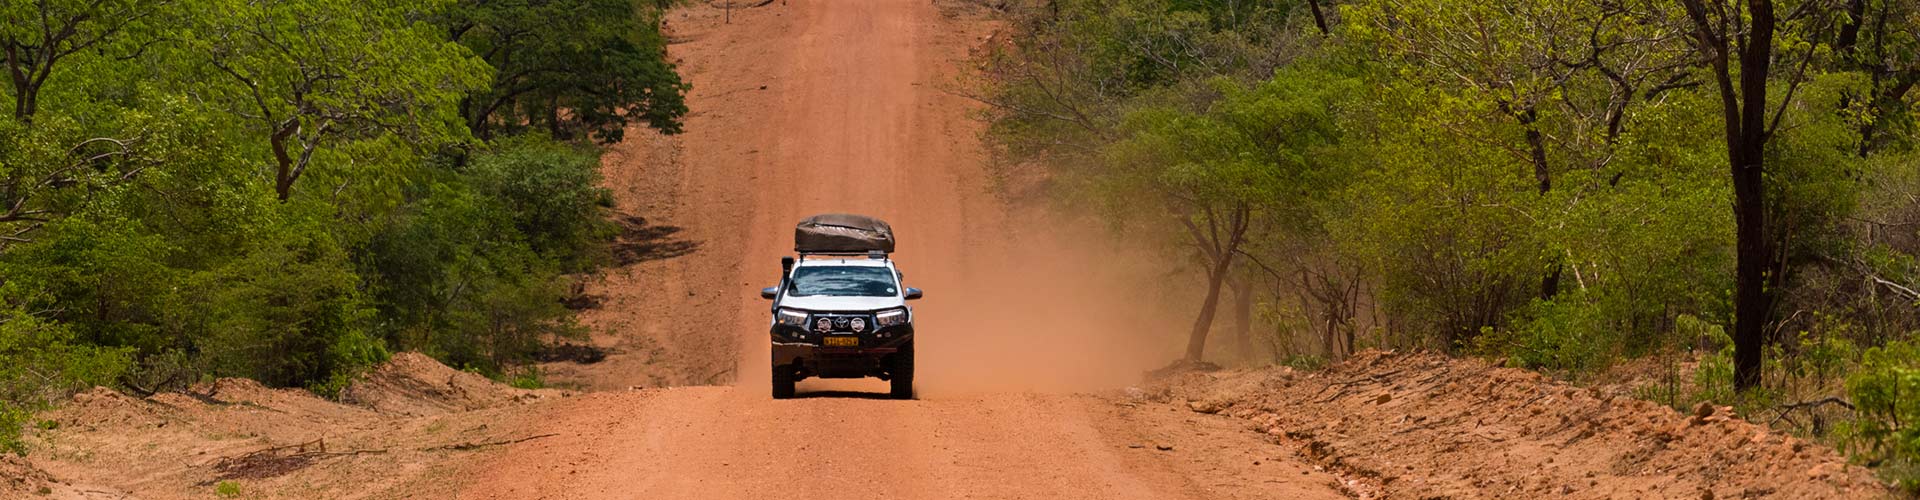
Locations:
{"points": [[44, 362], [1886, 391], [581, 67], [472, 271], [305, 73], [1547, 182], [289, 190]]}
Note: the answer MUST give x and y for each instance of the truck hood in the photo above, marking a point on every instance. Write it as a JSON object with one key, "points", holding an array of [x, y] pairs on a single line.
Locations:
{"points": [[823, 303]]}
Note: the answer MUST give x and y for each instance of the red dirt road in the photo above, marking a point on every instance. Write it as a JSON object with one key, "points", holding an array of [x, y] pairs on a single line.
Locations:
{"points": [[806, 106], [836, 105], [709, 442]]}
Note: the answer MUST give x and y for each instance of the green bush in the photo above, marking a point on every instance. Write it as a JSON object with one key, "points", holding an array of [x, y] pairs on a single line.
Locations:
{"points": [[473, 270], [40, 363], [287, 312], [1305, 362], [551, 194], [1713, 378], [1567, 336], [529, 377], [1885, 390]]}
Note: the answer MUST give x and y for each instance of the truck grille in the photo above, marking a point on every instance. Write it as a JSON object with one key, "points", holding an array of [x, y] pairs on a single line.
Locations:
{"points": [[841, 323]]}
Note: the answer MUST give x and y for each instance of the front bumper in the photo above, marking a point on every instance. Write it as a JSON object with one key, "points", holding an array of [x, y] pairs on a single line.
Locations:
{"points": [[803, 352]]}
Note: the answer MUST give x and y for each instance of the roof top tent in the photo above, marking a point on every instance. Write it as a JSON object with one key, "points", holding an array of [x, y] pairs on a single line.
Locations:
{"points": [[843, 234]]}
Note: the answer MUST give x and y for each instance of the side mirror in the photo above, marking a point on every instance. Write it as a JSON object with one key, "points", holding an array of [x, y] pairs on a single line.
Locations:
{"points": [[769, 292], [914, 293]]}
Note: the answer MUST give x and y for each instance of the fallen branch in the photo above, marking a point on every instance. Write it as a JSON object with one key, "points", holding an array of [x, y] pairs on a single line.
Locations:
{"points": [[474, 446], [723, 4], [1908, 292], [278, 460], [715, 378], [1787, 409], [1354, 383]]}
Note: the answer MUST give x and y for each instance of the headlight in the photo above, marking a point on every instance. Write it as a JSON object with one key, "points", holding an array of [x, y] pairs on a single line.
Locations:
{"points": [[890, 317], [791, 317]]}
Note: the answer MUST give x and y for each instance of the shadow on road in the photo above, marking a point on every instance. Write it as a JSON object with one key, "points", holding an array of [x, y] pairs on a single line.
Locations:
{"points": [[637, 242], [640, 241], [842, 395], [570, 352]]}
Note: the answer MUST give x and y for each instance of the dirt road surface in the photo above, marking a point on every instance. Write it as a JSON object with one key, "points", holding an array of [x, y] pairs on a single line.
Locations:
{"points": [[1028, 339], [813, 106]]}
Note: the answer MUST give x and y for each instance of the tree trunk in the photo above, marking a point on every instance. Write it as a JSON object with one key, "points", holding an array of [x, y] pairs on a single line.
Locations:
{"points": [[20, 73], [1745, 113], [1216, 275], [283, 173], [1319, 18], [1243, 317], [555, 126], [1543, 177], [24, 103], [1745, 119], [1753, 302], [1219, 250], [1537, 149], [1849, 36]]}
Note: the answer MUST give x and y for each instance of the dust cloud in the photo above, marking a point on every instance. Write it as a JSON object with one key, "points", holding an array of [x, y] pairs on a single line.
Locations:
{"points": [[1052, 312], [1053, 308]]}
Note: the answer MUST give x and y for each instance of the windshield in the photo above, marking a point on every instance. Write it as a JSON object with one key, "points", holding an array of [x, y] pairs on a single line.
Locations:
{"points": [[842, 281]]}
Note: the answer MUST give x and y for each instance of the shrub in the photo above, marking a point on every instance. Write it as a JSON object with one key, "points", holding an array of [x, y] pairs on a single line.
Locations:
{"points": [[528, 378], [1886, 395], [1713, 379], [551, 194], [40, 364], [1566, 336], [473, 271], [288, 312]]}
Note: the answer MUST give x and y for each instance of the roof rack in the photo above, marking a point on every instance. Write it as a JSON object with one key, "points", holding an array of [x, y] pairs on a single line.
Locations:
{"points": [[872, 255]]}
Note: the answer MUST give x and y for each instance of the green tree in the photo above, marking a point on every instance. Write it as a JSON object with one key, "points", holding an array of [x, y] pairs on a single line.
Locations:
{"points": [[551, 193], [1213, 172], [1567, 73], [1869, 40], [149, 232], [39, 34], [287, 311], [305, 73], [583, 67]]}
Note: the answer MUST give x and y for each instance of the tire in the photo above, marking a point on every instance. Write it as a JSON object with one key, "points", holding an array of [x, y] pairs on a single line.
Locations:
{"points": [[782, 381], [900, 368]]}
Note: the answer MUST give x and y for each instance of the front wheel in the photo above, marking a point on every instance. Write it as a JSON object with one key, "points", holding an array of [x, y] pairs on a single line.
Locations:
{"points": [[900, 369], [782, 381]]}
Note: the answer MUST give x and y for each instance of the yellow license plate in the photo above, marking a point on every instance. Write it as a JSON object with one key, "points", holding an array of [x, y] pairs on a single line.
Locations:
{"points": [[843, 341]]}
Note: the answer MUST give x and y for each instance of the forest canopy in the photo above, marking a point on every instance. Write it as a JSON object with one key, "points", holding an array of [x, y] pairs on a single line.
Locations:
{"points": [[1563, 185], [289, 190]]}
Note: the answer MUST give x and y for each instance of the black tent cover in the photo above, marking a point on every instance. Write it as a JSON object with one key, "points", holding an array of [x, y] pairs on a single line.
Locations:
{"points": [[842, 233]]}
